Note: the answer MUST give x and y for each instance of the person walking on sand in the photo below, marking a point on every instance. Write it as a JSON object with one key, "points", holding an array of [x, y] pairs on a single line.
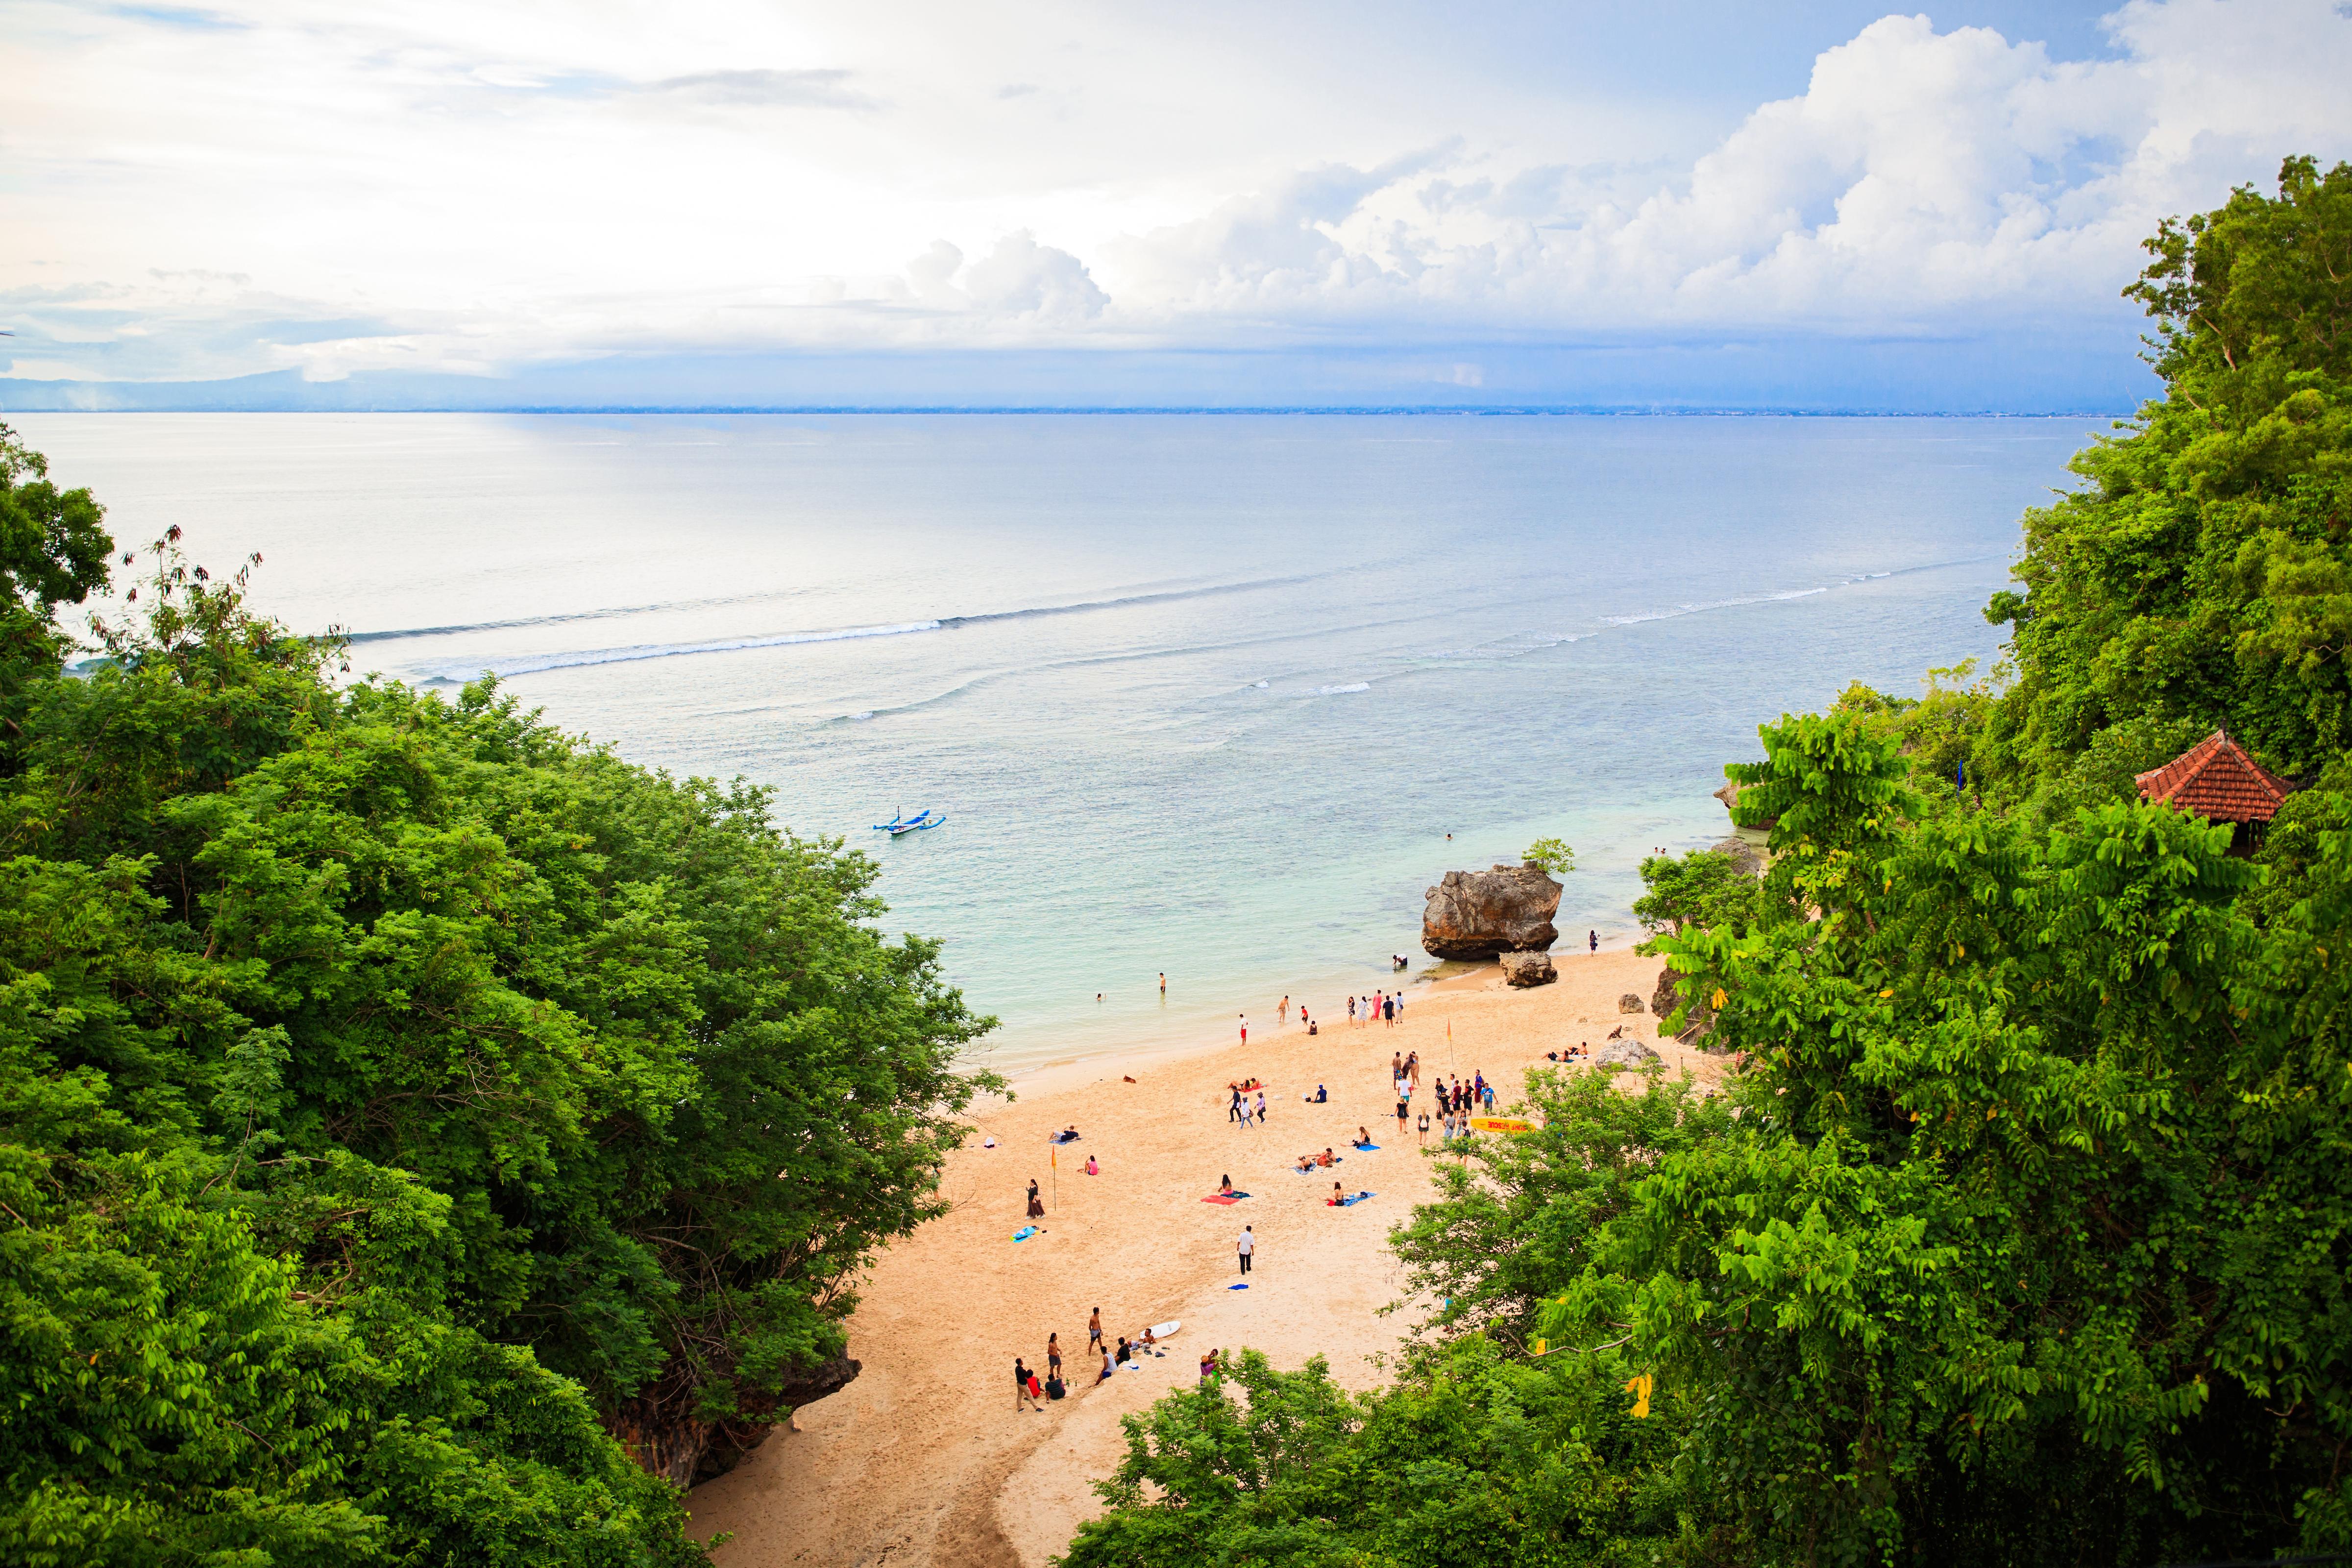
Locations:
{"points": [[1036, 1208], [1352, 1009], [1053, 1356], [1413, 1069], [1594, 938], [1261, 1107], [1094, 1330], [1247, 1246], [1396, 1066], [1234, 1111]]}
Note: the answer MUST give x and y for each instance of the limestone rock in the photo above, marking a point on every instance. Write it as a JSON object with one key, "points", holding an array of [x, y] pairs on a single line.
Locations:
{"points": [[1623, 1053], [1729, 795], [664, 1435], [1628, 1003], [1746, 856], [1479, 914], [1528, 968], [1664, 999]]}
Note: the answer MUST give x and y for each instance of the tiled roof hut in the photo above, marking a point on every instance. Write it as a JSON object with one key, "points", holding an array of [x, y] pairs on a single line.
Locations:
{"points": [[2216, 780]]}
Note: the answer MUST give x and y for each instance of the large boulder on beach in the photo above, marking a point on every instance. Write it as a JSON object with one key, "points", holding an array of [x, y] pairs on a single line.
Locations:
{"points": [[1666, 998], [1479, 914], [1528, 968], [1623, 1054], [1628, 1003]]}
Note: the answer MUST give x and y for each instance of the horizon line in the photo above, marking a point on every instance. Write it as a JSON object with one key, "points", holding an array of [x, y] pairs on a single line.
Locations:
{"points": [[1613, 411]]}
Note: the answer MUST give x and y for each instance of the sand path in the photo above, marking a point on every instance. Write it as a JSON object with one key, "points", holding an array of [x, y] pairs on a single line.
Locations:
{"points": [[923, 1459]]}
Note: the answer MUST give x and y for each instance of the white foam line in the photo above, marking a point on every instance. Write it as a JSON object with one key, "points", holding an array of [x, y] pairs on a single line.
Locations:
{"points": [[528, 663]]}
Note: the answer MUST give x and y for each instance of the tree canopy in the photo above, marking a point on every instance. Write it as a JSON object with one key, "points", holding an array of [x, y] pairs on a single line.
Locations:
{"points": [[424, 1136]]}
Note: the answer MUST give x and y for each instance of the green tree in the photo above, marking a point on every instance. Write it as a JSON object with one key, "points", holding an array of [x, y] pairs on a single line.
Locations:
{"points": [[447, 1138], [1550, 855]]}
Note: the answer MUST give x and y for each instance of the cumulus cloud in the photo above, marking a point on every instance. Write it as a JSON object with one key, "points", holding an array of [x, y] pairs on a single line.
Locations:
{"points": [[1018, 282], [463, 187], [1920, 178]]}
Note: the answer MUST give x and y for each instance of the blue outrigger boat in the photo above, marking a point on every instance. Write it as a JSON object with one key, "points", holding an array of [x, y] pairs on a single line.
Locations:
{"points": [[900, 826]]}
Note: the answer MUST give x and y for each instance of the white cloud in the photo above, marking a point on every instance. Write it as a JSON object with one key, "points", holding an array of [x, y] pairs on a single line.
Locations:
{"points": [[463, 186]]}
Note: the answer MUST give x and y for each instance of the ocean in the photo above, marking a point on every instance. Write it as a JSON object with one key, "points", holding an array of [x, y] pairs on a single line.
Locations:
{"points": [[1198, 694]]}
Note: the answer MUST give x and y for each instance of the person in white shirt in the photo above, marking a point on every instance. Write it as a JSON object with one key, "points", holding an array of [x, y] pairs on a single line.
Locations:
{"points": [[1246, 1246]]}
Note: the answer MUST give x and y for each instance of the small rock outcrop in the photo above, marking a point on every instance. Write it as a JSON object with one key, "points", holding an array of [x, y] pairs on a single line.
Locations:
{"points": [[1528, 968], [1729, 795], [1628, 1003], [1743, 855], [1623, 1053], [1666, 998], [1480, 914], [663, 1432]]}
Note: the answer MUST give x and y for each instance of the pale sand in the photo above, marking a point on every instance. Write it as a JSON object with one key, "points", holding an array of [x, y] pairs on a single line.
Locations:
{"points": [[924, 1459]]}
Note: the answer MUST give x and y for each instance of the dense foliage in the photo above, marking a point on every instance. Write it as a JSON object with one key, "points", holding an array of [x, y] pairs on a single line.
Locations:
{"points": [[399, 1099], [2024, 1231]]}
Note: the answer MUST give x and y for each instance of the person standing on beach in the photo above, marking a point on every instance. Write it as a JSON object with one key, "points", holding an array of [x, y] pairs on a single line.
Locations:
{"points": [[1352, 1009], [1244, 1018], [1413, 1069], [1405, 1104], [1247, 1246], [1094, 1330], [1053, 1356], [1261, 1107], [1020, 1394], [1281, 1013], [1594, 938], [1036, 1207], [1163, 983], [1234, 1111]]}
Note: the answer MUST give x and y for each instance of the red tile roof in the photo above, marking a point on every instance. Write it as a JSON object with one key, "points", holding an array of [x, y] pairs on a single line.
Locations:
{"points": [[2216, 780]]}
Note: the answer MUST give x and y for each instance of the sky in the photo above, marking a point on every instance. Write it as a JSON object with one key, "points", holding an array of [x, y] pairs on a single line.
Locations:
{"points": [[726, 204]]}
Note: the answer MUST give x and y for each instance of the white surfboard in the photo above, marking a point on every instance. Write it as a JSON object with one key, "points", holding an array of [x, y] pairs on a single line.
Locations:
{"points": [[1162, 1331]]}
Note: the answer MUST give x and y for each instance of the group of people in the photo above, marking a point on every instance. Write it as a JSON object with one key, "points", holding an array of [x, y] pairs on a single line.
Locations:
{"points": [[1457, 1099], [1385, 1006], [1240, 1110], [1311, 1161], [1031, 1390]]}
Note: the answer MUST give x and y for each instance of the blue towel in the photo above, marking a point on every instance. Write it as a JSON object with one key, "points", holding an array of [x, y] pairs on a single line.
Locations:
{"points": [[1024, 1233], [1236, 1287], [1360, 1197], [1365, 1148]]}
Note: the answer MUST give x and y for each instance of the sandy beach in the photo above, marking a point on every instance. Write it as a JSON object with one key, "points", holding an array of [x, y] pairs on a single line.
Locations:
{"points": [[925, 1459]]}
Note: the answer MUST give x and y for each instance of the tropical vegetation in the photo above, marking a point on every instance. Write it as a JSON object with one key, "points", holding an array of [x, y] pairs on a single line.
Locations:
{"points": [[425, 1138], [2022, 1231]]}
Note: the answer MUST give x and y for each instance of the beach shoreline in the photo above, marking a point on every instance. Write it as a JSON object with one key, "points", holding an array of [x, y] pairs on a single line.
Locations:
{"points": [[923, 1458]]}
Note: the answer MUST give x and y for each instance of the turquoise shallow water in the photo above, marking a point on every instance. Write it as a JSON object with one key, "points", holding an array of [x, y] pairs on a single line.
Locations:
{"points": [[1197, 693]]}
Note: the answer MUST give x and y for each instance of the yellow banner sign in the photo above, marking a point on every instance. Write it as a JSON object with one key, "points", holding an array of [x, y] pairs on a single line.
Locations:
{"points": [[1502, 1124]]}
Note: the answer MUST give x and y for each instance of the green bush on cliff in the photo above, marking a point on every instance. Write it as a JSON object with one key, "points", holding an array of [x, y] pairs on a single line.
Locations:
{"points": [[399, 1097]]}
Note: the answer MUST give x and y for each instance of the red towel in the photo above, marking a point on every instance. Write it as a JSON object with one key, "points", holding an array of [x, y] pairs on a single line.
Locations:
{"points": [[1219, 1198]]}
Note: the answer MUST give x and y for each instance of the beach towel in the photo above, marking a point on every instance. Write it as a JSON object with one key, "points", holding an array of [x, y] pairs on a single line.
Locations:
{"points": [[1236, 1287], [1024, 1233], [1224, 1197], [1365, 1148], [1360, 1197]]}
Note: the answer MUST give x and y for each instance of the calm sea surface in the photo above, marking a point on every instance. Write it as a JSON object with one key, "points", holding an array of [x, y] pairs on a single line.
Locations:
{"points": [[1200, 694]]}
